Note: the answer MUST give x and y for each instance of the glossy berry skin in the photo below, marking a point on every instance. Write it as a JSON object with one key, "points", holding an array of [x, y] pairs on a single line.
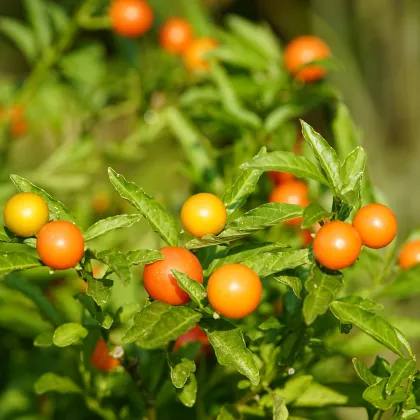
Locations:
{"points": [[337, 245], [280, 177], [234, 291], [376, 224], [409, 254], [101, 359], [131, 18], [176, 35], [291, 192], [25, 214], [194, 334], [303, 50], [159, 282], [60, 245], [194, 54], [203, 214]]}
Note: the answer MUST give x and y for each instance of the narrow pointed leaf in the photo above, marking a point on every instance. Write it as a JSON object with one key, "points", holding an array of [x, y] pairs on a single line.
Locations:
{"points": [[194, 289], [274, 262], [377, 396], [235, 197], [299, 166], [44, 339], [241, 253], [373, 325], [21, 35], [104, 226], [401, 370], [353, 170], [160, 323], [326, 156], [188, 394], [312, 214], [37, 14], [280, 411], [322, 289], [295, 387], [15, 261], [229, 346], [291, 279], [345, 133], [159, 219], [364, 373], [143, 256], [58, 211]]}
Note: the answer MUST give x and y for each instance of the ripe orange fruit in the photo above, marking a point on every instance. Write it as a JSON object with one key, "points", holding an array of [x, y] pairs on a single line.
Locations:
{"points": [[159, 282], [176, 35], [203, 214], [194, 54], [409, 254], [291, 192], [101, 359], [376, 224], [194, 334], [337, 245], [303, 50], [280, 177], [131, 18], [60, 245], [234, 291]]}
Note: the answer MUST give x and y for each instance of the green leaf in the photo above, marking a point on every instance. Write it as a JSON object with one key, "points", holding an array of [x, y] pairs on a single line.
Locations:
{"points": [[368, 322], [235, 197], [230, 100], [291, 279], [15, 261], [192, 141], [58, 211], [295, 387], [283, 114], [241, 253], [364, 373], [160, 323], [50, 382], [181, 370], [104, 226], [353, 170], [227, 413], [194, 289], [21, 35], [401, 370], [264, 216], [299, 166], [322, 289], [280, 411], [228, 235], [317, 395], [68, 334], [229, 346], [58, 16], [187, 395], [312, 214], [45, 339], [143, 256], [34, 293], [37, 15], [345, 133], [405, 284], [270, 323], [118, 263], [159, 219], [325, 155], [98, 289], [259, 37], [377, 396], [274, 262]]}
